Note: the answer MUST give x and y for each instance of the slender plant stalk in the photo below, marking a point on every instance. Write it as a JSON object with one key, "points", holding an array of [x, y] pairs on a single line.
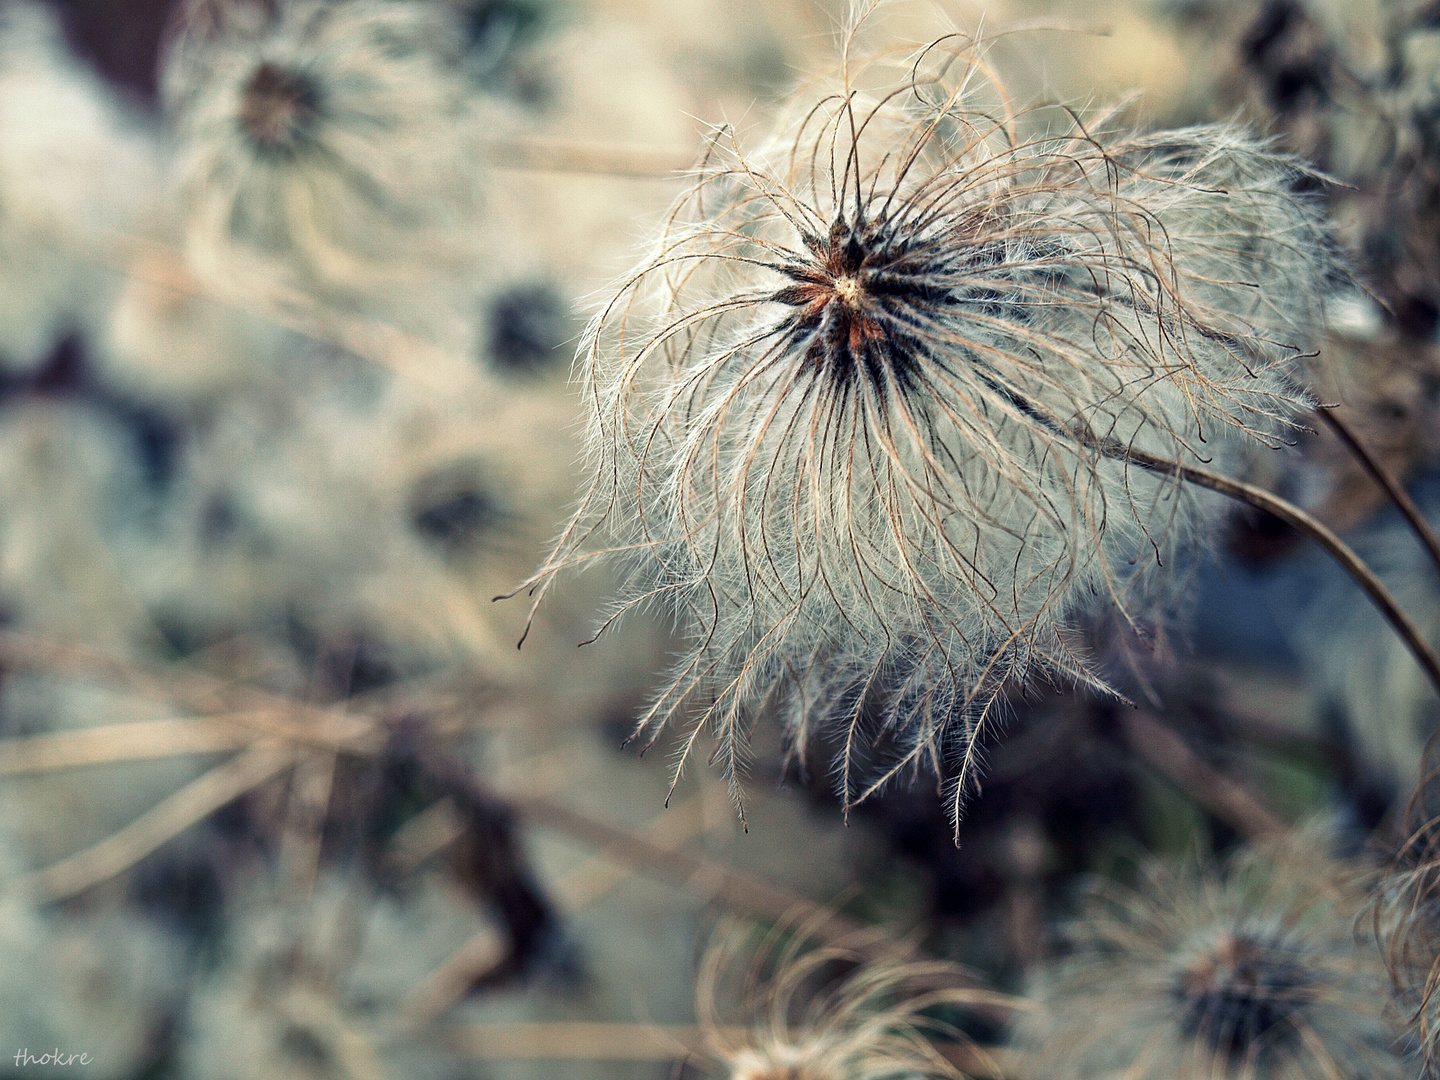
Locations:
{"points": [[1293, 516], [194, 802], [1381, 476], [734, 889], [1163, 749]]}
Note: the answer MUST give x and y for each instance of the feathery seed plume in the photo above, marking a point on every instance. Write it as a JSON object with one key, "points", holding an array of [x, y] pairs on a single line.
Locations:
{"points": [[848, 414], [1407, 918], [790, 1009]]}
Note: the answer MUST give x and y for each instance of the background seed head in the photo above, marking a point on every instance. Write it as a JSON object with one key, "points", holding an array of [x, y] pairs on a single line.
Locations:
{"points": [[786, 1008], [324, 149], [1254, 969]]}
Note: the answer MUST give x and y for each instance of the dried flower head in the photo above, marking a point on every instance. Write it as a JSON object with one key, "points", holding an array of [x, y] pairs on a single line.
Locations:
{"points": [[848, 414], [325, 146], [1253, 970], [790, 1009]]}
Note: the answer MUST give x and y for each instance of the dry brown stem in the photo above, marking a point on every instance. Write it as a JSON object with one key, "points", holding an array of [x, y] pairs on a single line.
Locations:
{"points": [[1298, 519], [482, 952], [142, 741], [596, 158], [1168, 754], [579, 888], [263, 712], [734, 889], [305, 812]]}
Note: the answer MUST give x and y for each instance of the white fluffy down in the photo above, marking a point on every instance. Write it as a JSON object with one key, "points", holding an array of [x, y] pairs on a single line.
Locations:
{"points": [[838, 411]]}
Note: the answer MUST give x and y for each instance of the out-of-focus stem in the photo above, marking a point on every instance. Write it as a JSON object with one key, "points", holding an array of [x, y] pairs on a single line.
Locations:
{"points": [[1165, 751]]}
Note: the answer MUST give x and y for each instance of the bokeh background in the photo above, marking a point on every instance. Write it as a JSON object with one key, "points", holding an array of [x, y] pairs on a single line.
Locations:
{"points": [[220, 515]]}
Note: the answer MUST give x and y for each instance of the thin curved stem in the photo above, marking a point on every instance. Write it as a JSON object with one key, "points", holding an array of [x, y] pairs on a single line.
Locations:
{"points": [[1293, 516], [1381, 476]]}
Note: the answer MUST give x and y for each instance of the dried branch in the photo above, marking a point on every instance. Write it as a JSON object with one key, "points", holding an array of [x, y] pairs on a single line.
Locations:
{"points": [[580, 887], [735, 889], [483, 952], [266, 713], [601, 159], [146, 740], [1298, 519]]}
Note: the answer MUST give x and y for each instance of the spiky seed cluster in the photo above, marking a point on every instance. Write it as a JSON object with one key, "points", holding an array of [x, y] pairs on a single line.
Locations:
{"points": [[846, 414], [788, 1008], [326, 148], [1253, 970]]}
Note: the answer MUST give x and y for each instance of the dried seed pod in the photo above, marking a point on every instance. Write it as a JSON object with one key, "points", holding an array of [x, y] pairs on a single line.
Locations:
{"points": [[846, 413]]}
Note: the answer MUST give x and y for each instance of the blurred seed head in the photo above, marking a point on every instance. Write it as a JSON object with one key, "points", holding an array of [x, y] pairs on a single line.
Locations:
{"points": [[77, 173], [838, 411], [271, 996], [787, 1008], [528, 328], [279, 110], [103, 981], [326, 147], [493, 32], [1253, 969]]}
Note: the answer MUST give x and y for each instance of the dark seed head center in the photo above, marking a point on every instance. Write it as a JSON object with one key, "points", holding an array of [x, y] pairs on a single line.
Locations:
{"points": [[1241, 991], [278, 109], [856, 300]]}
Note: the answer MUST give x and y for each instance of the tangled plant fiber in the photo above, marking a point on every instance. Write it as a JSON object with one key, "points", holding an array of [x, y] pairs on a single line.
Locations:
{"points": [[851, 414], [1249, 970]]}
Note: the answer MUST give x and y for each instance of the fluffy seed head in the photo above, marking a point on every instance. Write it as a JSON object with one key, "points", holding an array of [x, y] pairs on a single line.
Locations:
{"points": [[279, 110], [845, 414], [1253, 970], [326, 149], [789, 1009]]}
